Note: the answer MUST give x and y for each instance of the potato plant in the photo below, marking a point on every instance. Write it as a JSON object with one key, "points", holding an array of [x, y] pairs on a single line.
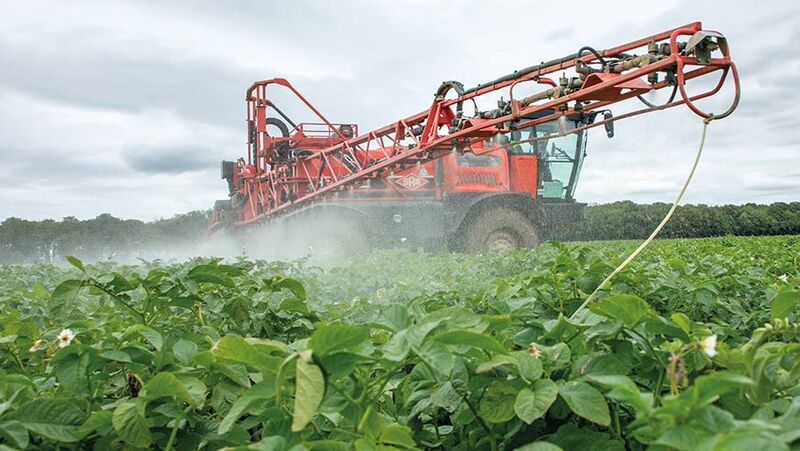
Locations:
{"points": [[693, 347]]}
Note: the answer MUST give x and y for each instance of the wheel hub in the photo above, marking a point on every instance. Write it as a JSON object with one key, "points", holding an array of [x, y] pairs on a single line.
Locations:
{"points": [[501, 241]]}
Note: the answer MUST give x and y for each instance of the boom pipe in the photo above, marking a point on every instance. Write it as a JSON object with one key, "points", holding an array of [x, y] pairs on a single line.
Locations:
{"points": [[569, 62], [576, 130], [352, 156], [613, 119], [696, 73]]}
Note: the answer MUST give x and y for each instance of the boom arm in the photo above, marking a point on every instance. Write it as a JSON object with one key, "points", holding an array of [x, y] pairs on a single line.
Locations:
{"points": [[271, 183]]}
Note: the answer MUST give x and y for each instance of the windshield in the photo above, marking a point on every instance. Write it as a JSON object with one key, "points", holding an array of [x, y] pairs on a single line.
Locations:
{"points": [[560, 157]]}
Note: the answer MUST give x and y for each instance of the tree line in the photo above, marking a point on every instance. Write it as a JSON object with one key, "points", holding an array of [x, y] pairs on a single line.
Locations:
{"points": [[627, 220], [106, 237], [102, 238]]}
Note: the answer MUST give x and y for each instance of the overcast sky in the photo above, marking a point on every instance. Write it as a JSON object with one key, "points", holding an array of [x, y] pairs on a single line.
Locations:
{"points": [[126, 107]]}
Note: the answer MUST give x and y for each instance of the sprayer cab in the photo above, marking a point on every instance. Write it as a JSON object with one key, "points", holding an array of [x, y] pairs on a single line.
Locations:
{"points": [[456, 174]]}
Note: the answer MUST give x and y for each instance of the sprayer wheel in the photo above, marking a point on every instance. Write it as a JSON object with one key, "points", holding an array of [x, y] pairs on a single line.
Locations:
{"points": [[500, 229]]}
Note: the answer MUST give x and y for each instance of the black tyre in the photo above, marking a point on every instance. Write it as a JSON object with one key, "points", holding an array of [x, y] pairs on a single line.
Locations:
{"points": [[499, 229]]}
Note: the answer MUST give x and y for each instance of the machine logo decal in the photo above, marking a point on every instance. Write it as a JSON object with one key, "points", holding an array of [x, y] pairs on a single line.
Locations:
{"points": [[413, 181]]}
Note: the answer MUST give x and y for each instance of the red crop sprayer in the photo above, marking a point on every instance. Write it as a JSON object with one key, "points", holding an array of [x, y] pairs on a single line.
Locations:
{"points": [[455, 175]]}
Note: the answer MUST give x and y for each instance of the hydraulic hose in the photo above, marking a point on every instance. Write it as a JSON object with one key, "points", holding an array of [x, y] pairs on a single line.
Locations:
{"points": [[658, 228], [594, 52], [651, 105]]}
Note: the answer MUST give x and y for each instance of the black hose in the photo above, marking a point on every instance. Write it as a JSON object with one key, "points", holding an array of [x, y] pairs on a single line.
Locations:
{"points": [[274, 121], [534, 68], [671, 98], [521, 72], [284, 116], [593, 52]]}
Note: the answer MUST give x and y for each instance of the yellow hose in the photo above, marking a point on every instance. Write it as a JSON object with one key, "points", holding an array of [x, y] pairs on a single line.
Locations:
{"points": [[657, 229]]}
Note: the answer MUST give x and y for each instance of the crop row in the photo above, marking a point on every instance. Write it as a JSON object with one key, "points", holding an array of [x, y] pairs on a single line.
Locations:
{"points": [[695, 346]]}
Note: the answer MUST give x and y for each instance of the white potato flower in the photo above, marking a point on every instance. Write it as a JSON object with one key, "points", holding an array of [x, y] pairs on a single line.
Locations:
{"points": [[65, 338], [783, 278], [709, 345]]}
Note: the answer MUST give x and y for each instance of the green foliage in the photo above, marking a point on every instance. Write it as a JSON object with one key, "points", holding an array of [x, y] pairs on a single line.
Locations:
{"points": [[54, 419], [694, 346], [533, 402], [130, 424], [627, 308], [784, 304], [585, 401], [626, 220], [310, 388]]}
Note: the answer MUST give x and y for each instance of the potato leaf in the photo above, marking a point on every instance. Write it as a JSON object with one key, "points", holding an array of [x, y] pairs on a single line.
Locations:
{"points": [[532, 403], [233, 348], [130, 424], [336, 337], [309, 391], [586, 402], [627, 308], [55, 419], [469, 338], [497, 403], [784, 303]]}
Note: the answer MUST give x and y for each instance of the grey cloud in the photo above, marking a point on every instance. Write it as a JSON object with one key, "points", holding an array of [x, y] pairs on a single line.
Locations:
{"points": [[558, 34], [60, 69], [776, 187], [33, 165], [169, 159], [658, 189]]}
